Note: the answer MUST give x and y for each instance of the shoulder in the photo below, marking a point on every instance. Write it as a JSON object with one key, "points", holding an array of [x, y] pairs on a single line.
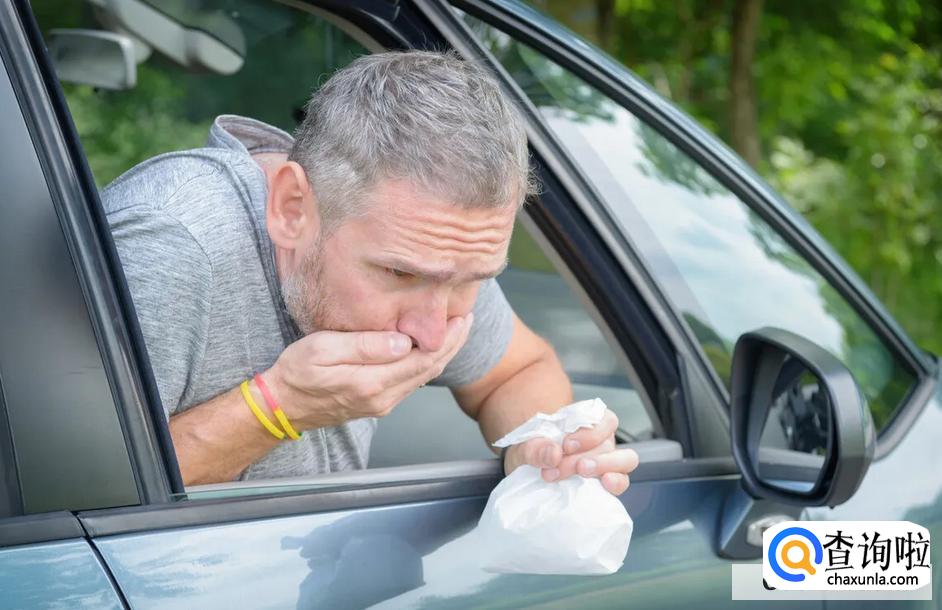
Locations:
{"points": [[166, 182], [159, 254], [199, 200]]}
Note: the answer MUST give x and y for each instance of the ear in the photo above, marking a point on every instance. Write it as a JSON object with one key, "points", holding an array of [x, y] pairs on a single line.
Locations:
{"points": [[292, 215]]}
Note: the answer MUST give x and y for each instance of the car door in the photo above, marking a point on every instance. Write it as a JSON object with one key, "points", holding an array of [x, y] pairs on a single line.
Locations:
{"points": [[51, 377], [727, 254]]}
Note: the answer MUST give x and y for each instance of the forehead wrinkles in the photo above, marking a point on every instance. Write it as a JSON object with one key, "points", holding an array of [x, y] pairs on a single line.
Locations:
{"points": [[474, 231]]}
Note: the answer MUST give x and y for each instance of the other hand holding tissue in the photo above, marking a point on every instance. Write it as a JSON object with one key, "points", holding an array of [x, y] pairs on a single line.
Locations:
{"points": [[572, 526]]}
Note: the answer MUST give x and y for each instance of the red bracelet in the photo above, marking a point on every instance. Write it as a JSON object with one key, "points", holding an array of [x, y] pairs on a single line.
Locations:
{"points": [[279, 414]]}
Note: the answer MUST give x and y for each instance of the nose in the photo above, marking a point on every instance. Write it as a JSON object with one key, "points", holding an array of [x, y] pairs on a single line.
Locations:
{"points": [[426, 321]]}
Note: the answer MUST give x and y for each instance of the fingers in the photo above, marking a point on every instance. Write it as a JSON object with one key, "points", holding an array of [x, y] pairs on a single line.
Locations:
{"points": [[620, 461], [611, 465], [567, 466], [404, 376], [560, 461], [331, 348], [587, 438], [541, 453]]}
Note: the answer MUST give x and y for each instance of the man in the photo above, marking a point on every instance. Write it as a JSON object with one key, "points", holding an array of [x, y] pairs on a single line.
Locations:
{"points": [[349, 266]]}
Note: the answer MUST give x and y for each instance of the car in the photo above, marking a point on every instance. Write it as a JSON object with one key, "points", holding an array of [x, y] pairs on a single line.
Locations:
{"points": [[755, 374]]}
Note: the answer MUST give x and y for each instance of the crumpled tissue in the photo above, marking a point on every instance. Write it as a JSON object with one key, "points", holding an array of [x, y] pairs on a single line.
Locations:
{"points": [[572, 526]]}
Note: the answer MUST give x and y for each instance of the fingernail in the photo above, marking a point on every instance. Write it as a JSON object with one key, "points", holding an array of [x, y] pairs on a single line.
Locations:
{"points": [[551, 475], [572, 446], [400, 344], [588, 466], [548, 456]]}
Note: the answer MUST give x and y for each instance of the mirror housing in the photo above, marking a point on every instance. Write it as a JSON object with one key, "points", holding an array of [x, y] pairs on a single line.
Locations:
{"points": [[93, 57], [759, 359], [194, 38]]}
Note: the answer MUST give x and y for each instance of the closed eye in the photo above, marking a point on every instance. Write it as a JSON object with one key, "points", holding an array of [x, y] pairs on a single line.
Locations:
{"points": [[398, 272]]}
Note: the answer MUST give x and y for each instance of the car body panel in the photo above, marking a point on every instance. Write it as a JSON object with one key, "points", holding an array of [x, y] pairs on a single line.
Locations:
{"points": [[421, 556], [63, 574]]}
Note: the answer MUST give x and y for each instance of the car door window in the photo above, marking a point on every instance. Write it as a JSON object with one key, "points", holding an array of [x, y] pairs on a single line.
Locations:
{"points": [[725, 269]]}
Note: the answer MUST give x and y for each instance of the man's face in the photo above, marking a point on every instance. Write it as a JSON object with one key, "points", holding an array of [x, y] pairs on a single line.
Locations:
{"points": [[409, 264]]}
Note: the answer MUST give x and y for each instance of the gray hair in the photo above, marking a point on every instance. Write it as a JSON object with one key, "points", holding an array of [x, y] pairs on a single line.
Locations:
{"points": [[433, 119]]}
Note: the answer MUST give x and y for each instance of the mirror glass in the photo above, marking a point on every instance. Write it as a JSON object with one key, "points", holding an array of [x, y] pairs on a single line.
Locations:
{"points": [[92, 57], [796, 434]]}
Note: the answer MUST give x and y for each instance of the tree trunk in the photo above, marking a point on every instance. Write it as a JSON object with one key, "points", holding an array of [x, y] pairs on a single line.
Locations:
{"points": [[605, 13], [744, 128]]}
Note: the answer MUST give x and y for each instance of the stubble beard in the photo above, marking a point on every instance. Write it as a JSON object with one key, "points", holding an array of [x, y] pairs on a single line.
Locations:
{"points": [[306, 301]]}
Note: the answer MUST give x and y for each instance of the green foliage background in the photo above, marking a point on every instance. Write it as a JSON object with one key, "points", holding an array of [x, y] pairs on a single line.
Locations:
{"points": [[849, 99]]}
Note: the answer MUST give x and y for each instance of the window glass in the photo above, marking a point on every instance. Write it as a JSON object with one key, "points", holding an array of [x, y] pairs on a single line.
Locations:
{"points": [[725, 269], [546, 303]]}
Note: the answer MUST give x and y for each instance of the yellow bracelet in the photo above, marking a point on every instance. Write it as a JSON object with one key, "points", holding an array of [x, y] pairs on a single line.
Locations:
{"points": [[289, 429], [258, 412]]}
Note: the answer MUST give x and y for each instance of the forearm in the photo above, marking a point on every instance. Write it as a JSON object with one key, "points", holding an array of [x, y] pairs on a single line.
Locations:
{"points": [[542, 386], [217, 440]]}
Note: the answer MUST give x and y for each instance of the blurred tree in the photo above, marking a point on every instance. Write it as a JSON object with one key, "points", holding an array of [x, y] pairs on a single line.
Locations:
{"points": [[742, 95], [843, 116]]}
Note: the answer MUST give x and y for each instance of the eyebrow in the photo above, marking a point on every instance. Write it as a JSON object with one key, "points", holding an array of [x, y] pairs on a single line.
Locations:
{"points": [[439, 275]]}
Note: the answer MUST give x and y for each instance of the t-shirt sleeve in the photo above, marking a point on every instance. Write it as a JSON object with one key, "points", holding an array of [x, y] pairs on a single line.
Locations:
{"points": [[170, 279], [487, 342]]}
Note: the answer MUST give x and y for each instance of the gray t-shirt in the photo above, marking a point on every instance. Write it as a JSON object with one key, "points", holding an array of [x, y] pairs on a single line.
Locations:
{"points": [[190, 230]]}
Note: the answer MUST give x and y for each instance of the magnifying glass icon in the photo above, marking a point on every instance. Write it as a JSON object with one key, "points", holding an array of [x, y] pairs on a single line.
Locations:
{"points": [[802, 564]]}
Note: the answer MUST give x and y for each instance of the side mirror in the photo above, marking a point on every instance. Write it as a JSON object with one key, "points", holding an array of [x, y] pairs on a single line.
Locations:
{"points": [[801, 429], [93, 57]]}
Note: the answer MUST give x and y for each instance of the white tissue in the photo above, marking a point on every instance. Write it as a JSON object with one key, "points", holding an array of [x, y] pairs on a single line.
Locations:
{"points": [[572, 526]]}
